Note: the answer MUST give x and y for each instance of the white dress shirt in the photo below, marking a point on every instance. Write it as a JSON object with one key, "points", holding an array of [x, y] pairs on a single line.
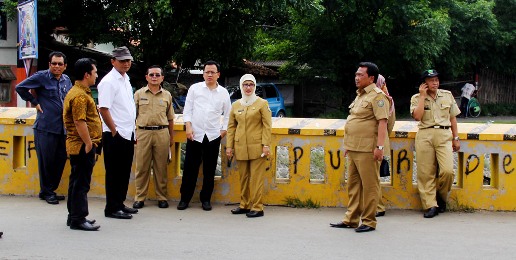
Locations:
{"points": [[116, 94], [204, 108]]}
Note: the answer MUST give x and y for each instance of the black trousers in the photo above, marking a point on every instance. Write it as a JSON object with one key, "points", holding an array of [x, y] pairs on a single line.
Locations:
{"points": [[118, 159], [79, 185], [464, 106], [206, 152], [51, 153]]}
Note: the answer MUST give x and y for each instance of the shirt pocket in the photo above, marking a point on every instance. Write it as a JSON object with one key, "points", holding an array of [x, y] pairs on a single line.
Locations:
{"points": [[51, 91], [143, 106]]}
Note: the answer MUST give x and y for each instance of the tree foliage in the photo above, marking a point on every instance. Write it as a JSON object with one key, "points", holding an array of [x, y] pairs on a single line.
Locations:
{"points": [[328, 38], [156, 30]]}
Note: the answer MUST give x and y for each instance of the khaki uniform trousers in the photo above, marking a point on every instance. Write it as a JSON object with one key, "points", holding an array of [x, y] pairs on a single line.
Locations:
{"points": [[381, 205], [251, 183], [152, 148], [363, 187], [434, 147]]}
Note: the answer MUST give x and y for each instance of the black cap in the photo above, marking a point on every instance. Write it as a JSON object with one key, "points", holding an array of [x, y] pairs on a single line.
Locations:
{"points": [[429, 73]]}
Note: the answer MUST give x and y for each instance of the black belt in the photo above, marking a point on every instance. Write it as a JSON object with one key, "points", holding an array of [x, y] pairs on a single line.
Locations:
{"points": [[158, 127], [440, 127]]}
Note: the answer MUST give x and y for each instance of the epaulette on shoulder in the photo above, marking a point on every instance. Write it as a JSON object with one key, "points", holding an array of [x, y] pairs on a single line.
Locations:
{"points": [[445, 91], [378, 90]]}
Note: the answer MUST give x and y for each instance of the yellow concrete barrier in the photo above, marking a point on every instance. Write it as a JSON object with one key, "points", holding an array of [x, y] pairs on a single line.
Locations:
{"points": [[307, 163]]}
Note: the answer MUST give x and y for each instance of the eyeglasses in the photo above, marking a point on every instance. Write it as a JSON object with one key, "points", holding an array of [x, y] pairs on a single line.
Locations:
{"points": [[57, 64], [211, 72], [248, 85], [157, 75]]}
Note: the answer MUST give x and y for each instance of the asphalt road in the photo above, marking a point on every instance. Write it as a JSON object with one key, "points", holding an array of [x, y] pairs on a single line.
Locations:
{"points": [[34, 229]]}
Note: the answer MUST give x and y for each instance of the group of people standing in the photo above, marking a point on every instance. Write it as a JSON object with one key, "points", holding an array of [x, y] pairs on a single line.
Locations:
{"points": [[366, 141], [68, 121]]}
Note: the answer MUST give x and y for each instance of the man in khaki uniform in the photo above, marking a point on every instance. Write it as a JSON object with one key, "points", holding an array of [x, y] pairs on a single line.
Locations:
{"points": [[154, 123], [365, 134], [436, 111]]}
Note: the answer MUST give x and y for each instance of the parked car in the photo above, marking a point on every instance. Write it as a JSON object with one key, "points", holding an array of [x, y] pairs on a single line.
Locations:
{"points": [[267, 91]]}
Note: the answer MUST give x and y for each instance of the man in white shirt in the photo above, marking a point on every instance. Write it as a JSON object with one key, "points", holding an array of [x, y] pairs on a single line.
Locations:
{"points": [[205, 103], [467, 92], [118, 113]]}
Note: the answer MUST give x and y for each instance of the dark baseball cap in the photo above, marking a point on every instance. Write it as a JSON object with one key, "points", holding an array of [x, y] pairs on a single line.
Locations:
{"points": [[429, 73], [122, 53]]}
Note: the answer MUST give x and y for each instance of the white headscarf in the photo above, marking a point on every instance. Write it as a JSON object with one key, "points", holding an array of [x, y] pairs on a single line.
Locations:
{"points": [[247, 100]]}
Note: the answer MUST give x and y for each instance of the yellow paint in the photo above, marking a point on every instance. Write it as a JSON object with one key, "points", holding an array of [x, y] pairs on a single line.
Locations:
{"points": [[19, 174]]}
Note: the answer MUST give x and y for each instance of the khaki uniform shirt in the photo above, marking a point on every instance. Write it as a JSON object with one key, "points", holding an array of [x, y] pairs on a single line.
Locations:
{"points": [[249, 129], [153, 109], [361, 130], [79, 105], [438, 111]]}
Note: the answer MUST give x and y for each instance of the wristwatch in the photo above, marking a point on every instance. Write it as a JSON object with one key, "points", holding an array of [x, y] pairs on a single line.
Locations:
{"points": [[379, 147], [456, 138]]}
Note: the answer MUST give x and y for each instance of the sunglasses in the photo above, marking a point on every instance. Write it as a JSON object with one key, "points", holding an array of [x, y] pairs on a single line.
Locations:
{"points": [[157, 75], [57, 64], [248, 85]]}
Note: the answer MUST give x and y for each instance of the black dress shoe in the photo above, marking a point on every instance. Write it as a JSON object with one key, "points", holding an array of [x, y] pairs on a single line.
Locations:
{"points": [[162, 204], [432, 212], [240, 210], [118, 214], [206, 205], [364, 228], [441, 204], [69, 221], [340, 225], [380, 214], [254, 214], [86, 226], [51, 199], [129, 210], [138, 204], [182, 205], [60, 197]]}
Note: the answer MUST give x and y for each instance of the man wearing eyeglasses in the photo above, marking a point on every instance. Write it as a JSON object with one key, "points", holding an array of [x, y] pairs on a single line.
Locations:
{"points": [[118, 112], [50, 87], [205, 103], [154, 131]]}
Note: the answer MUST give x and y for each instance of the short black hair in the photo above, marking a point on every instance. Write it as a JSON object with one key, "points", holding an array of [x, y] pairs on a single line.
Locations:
{"points": [[211, 62], [372, 69], [82, 66], [154, 67], [57, 54]]}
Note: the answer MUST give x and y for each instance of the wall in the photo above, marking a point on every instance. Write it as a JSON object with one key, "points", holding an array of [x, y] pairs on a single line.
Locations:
{"points": [[485, 175]]}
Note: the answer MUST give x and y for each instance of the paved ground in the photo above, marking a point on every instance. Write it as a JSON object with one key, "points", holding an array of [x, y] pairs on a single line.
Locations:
{"points": [[35, 230]]}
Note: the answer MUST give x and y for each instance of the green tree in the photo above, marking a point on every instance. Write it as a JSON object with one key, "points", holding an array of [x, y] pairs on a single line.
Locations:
{"points": [[155, 30]]}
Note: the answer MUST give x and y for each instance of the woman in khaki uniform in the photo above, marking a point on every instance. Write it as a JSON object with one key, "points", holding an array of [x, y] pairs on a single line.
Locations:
{"points": [[381, 84], [248, 139]]}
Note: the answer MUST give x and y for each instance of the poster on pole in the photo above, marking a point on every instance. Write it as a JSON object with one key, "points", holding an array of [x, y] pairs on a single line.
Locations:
{"points": [[27, 33]]}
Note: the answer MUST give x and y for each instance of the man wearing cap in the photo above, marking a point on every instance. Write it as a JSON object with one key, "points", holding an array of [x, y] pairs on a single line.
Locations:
{"points": [[118, 111], [364, 140], [155, 124], [436, 111], [50, 87], [205, 103]]}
